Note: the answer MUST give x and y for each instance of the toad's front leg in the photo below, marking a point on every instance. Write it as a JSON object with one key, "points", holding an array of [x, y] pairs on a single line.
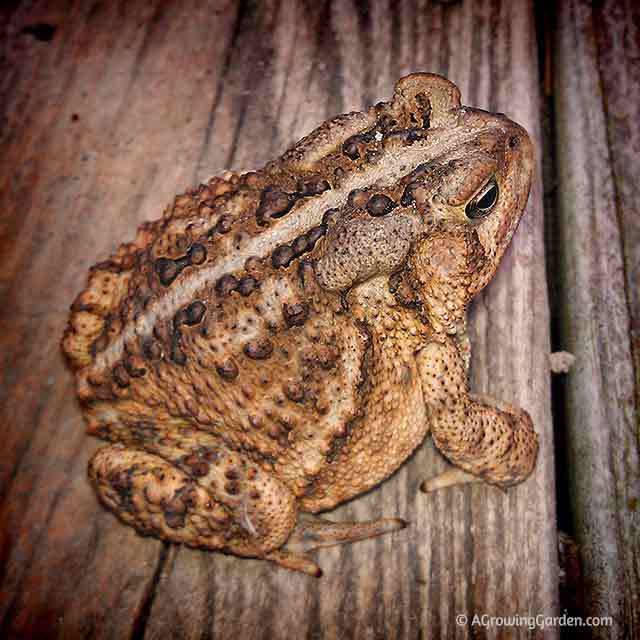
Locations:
{"points": [[484, 438]]}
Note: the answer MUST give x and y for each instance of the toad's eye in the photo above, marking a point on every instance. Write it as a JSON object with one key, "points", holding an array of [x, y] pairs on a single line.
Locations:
{"points": [[483, 203]]}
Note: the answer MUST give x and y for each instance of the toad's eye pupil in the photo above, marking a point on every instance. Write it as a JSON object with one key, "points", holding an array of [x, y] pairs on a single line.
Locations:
{"points": [[482, 206], [488, 199]]}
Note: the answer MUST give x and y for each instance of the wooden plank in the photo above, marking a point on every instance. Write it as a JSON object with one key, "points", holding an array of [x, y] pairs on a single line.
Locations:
{"points": [[166, 95], [618, 41], [72, 189], [597, 109]]}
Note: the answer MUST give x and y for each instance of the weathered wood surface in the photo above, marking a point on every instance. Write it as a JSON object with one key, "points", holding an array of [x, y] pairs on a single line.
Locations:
{"points": [[131, 102], [597, 92]]}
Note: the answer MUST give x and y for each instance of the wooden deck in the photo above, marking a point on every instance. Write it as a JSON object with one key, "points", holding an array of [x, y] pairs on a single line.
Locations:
{"points": [[107, 109]]}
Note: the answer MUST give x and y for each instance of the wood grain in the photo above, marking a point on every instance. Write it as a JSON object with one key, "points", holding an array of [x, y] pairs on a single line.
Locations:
{"points": [[131, 102], [598, 111]]}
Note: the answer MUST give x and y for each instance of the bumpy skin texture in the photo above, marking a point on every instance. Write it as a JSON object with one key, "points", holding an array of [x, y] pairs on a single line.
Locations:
{"points": [[282, 340]]}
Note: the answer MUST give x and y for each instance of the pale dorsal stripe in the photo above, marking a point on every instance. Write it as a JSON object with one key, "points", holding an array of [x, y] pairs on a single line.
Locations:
{"points": [[392, 165]]}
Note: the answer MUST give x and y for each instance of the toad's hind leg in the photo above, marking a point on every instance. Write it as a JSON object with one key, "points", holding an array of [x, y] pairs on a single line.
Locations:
{"points": [[250, 514], [485, 438]]}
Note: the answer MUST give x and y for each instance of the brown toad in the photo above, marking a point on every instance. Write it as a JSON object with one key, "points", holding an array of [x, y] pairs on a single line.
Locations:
{"points": [[282, 340]]}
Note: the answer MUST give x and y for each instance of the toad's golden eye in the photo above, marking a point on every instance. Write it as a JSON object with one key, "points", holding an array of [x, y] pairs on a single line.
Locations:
{"points": [[482, 204]]}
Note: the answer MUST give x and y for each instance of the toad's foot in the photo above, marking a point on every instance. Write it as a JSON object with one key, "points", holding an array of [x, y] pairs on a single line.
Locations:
{"points": [[448, 478], [314, 533], [311, 534], [492, 440]]}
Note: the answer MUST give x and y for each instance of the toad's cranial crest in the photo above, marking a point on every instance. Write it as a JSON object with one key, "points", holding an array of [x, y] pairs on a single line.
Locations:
{"points": [[281, 341]]}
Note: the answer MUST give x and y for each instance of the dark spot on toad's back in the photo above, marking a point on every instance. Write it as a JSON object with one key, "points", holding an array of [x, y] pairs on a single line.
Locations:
{"points": [[259, 349], [224, 225], [121, 376], [273, 204], [282, 256], [296, 314], [167, 270], [380, 204], [194, 313], [226, 284], [197, 254], [247, 285], [299, 245], [232, 487], [228, 370], [200, 469], [351, 148], [314, 187], [315, 234], [407, 195]]}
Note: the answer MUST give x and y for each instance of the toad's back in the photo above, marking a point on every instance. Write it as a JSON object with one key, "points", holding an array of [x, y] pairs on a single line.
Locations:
{"points": [[214, 318]]}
